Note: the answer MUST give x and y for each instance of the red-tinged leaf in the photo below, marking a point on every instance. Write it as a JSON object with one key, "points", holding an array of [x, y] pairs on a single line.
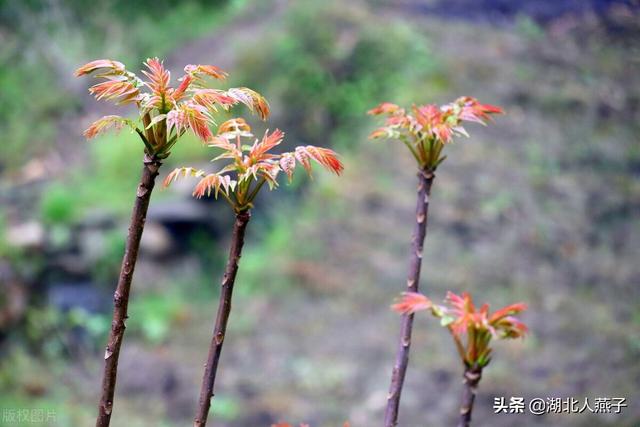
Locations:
{"points": [[302, 157], [379, 133], [509, 310], [430, 126], [462, 303], [220, 142], [471, 110], [210, 98], [402, 121], [250, 173], [182, 172], [442, 132], [478, 325], [259, 149], [412, 302], [177, 119], [158, 77], [105, 123], [152, 101], [233, 128], [428, 115], [490, 109], [181, 90], [324, 156], [463, 312], [121, 90], [213, 71], [252, 99], [511, 327], [288, 164], [213, 182], [192, 116], [269, 171], [207, 70], [384, 108], [174, 111], [231, 152], [107, 65], [466, 316]]}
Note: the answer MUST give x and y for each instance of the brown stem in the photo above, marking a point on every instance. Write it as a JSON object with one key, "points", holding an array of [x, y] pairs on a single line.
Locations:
{"points": [[222, 317], [121, 295], [425, 180], [472, 377]]}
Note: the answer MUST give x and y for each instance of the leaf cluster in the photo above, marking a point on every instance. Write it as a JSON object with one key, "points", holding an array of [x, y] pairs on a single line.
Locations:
{"points": [[428, 128], [249, 167], [463, 319], [165, 113]]}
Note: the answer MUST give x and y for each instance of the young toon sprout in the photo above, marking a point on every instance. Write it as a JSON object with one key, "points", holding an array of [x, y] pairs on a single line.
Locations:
{"points": [[425, 132], [165, 114], [478, 326], [249, 168]]}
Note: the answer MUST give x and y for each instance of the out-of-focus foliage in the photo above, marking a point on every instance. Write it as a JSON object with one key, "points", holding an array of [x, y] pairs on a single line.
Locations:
{"points": [[157, 314], [58, 205], [321, 78]]}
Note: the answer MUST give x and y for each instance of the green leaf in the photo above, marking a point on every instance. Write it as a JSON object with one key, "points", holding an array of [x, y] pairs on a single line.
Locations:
{"points": [[446, 320]]}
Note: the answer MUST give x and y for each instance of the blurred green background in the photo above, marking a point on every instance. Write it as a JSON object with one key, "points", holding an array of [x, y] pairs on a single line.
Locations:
{"points": [[541, 206]]}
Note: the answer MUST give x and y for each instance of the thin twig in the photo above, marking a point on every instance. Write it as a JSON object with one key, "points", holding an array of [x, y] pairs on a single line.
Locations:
{"points": [[222, 317], [472, 377], [425, 180], [121, 295]]}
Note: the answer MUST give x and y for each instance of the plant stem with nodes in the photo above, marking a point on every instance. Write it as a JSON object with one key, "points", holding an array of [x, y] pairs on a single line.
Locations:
{"points": [[471, 377], [121, 295], [222, 317], [425, 180]]}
